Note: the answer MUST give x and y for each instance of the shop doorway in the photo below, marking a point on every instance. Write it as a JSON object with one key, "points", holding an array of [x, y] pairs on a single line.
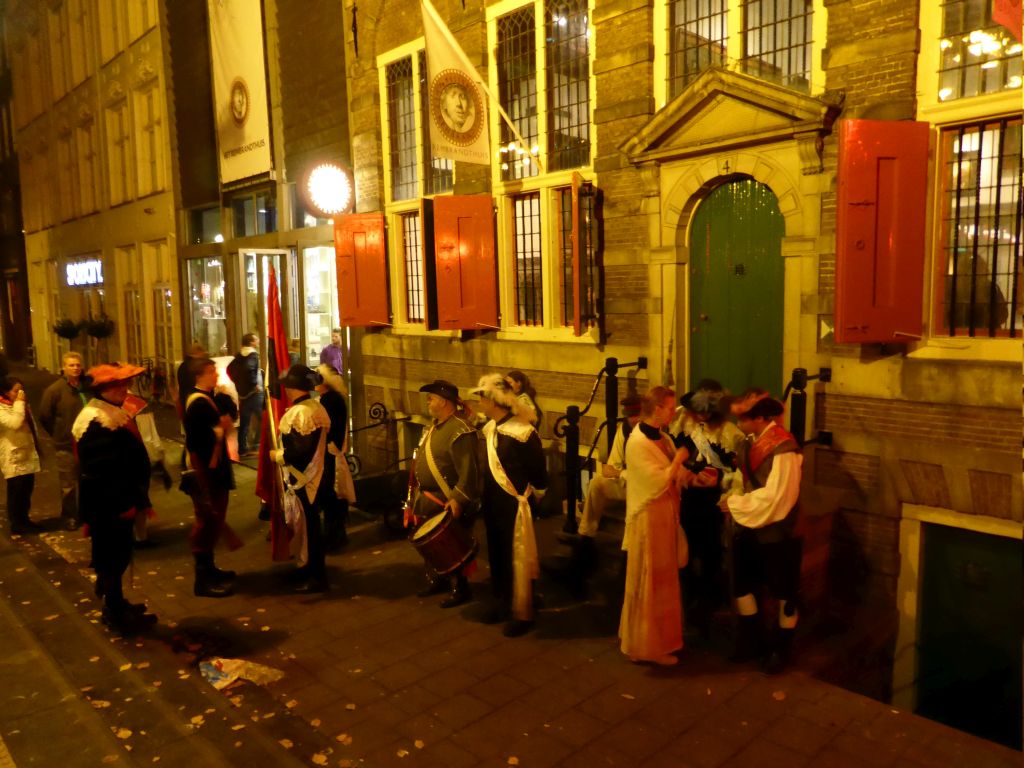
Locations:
{"points": [[969, 659], [255, 284], [736, 279]]}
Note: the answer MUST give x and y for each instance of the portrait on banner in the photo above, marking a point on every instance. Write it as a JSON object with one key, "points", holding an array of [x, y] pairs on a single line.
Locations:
{"points": [[456, 107]]}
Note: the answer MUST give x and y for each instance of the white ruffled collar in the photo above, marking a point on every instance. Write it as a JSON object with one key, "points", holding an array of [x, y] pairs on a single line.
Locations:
{"points": [[108, 415]]}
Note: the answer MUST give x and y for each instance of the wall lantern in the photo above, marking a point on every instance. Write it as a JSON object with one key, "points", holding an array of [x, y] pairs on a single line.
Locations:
{"points": [[328, 189]]}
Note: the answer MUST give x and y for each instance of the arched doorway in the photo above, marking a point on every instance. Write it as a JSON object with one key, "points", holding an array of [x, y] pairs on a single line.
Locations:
{"points": [[736, 287]]}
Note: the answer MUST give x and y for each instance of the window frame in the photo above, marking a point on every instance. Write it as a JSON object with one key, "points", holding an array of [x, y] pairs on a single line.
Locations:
{"points": [[395, 210], [547, 184], [735, 31], [938, 344]]}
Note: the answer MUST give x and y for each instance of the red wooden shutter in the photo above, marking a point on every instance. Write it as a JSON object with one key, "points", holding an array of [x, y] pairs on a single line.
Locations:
{"points": [[459, 264], [361, 259], [880, 230]]}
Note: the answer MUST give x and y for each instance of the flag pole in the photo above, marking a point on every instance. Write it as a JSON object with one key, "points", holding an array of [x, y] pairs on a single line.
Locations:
{"points": [[454, 44]]}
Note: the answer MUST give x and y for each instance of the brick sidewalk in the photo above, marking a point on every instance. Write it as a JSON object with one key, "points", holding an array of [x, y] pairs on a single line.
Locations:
{"points": [[385, 678]]}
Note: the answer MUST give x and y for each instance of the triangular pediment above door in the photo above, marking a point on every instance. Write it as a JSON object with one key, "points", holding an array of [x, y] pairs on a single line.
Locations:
{"points": [[723, 110]]}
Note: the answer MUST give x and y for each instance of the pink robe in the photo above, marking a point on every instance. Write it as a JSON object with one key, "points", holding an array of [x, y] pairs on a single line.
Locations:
{"points": [[652, 612]]}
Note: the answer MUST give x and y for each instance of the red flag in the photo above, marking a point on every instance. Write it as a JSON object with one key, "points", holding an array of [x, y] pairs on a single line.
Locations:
{"points": [[1007, 13], [268, 473]]}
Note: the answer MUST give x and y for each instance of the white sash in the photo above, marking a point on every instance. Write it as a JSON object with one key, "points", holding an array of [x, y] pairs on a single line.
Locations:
{"points": [[525, 561]]}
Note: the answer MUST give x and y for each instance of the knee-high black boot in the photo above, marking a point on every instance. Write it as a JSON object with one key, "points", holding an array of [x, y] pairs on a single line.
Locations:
{"points": [[749, 639]]}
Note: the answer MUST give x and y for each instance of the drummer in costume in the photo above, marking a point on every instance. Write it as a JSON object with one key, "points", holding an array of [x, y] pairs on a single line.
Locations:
{"points": [[515, 470], [208, 421], [113, 488], [447, 477], [304, 429], [766, 550]]}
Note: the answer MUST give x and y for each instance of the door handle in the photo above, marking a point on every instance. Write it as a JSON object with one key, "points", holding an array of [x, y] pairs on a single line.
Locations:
{"points": [[703, 316]]}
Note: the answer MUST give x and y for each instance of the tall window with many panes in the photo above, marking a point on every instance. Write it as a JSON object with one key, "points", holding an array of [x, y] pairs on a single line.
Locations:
{"points": [[698, 37], [981, 229], [412, 260], [978, 55], [777, 41]]}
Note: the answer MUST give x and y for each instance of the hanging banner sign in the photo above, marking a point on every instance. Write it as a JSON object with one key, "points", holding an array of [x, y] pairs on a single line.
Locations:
{"points": [[239, 88]]}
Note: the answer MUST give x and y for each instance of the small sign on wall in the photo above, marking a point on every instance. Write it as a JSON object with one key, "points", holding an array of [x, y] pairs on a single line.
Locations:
{"points": [[85, 273]]}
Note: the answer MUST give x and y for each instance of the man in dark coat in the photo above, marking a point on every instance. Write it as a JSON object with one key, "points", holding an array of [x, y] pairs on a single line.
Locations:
{"points": [[62, 401], [447, 478], [113, 489], [515, 470], [244, 371], [205, 442]]}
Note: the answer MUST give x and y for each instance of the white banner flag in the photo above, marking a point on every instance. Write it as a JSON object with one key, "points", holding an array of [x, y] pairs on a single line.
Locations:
{"points": [[458, 101], [239, 88]]}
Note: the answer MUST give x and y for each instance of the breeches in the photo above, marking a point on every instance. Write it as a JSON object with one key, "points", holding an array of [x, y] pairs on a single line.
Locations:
{"points": [[111, 545], [209, 523], [19, 497], [68, 474], [603, 493], [501, 528], [775, 565]]}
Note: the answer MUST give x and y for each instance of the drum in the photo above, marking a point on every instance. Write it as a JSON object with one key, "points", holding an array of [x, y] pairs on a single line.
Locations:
{"points": [[444, 544]]}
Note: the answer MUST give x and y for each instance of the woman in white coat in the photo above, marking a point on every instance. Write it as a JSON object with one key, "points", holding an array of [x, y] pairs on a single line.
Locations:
{"points": [[19, 454]]}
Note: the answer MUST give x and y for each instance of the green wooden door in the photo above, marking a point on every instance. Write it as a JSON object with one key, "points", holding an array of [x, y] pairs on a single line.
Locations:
{"points": [[736, 288]]}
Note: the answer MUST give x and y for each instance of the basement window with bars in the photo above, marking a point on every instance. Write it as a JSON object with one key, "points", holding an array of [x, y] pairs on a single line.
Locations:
{"points": [[981, 222], [412, 258], [777, 41]]}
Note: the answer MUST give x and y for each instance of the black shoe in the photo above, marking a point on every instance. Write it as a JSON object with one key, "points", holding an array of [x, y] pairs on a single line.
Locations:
{"points": [[25, 528], [264, 514], [298, 575], [437, 586], [311, 587], [461, 595], [206, 587], [567, 538], [144, 544], [126, 621], [517, 628], [749, 640], [222, 576], [137, 608], [495, 614]]}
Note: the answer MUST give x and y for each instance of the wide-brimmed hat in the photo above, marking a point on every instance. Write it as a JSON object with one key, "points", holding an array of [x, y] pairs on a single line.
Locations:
{"points": [[632, 405], [301, 377], [332, 378], [106, 374], [764, 408], [442, 388], [494, 387], [708, 398]]}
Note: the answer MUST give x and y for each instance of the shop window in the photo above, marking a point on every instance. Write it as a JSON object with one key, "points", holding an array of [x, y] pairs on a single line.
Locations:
{"points": [[526, 239], [777, 41], [80, 39], [88, 167], [981, 224], [409, 156], [149, 142], [977, 55], [254, 213], [57, 29], [119, 148], [206, 297], [412, 258], [163, 325], [321, 305], [204, 225], [66, 176], [698, 35]]}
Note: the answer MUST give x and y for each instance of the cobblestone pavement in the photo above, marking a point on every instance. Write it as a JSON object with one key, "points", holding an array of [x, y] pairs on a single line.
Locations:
{"points": [[374, 676]]}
